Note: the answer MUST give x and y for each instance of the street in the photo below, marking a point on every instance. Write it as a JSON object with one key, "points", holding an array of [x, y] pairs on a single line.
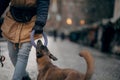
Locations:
{"points": [[106, 67]]}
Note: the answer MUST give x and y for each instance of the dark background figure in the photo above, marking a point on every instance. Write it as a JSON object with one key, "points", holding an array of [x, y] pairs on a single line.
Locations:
{"points": [[94, 41], [107, 36], [1, 21], [115, 46], [3, 5], [117, 31], [62, 36], [55, 34]]}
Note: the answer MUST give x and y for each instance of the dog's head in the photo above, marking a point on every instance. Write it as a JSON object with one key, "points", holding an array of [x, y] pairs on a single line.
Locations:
{"points": [[42, 50]]}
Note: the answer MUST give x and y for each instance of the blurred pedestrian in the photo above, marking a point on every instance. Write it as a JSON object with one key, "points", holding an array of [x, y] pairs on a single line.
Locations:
{"points": [[1, 21], [22, 17], [95, 37], [62, 36], [55, 34], [107, 36]]}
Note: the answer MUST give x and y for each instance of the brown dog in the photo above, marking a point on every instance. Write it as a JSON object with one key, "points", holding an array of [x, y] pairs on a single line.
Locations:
{"points": [[48, 71]]}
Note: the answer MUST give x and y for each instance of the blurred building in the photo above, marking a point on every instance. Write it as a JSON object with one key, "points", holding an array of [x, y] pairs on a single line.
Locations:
{"points": [[75, 13], [116, 10]]}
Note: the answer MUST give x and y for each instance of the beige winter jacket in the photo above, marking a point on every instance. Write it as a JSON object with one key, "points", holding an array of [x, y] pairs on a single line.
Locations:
{"points": [[28, 3], [15, 31]]}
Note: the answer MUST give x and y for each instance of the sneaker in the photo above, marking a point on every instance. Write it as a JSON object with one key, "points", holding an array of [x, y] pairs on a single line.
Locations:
{"points": [[26, 78]]}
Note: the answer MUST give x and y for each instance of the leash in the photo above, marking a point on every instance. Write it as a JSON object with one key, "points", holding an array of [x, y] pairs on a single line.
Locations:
{"points": [[2, 59], [32, 38], [45, 43]]}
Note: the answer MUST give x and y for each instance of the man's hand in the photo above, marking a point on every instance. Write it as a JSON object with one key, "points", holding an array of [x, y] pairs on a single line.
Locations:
{"points": [[38, 29]]}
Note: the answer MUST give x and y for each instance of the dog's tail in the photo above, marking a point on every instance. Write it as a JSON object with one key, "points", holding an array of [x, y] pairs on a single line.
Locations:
{"points": [[90, 63]]}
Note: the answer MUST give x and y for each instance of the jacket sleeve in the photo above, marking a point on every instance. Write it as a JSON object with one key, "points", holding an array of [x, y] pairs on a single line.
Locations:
{"points": [[3, 5], [42, 12]]}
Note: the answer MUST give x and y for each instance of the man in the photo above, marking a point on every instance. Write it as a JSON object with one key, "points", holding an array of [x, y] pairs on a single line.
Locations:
{"points": [[19, 21]]}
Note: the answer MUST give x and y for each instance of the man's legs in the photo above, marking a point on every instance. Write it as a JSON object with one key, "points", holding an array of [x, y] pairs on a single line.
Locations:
{"points": [[12, 53], [19, 59]]}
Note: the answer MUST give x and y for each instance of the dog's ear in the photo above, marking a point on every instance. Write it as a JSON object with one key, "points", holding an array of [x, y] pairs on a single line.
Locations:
{"points": [[51, 56]]}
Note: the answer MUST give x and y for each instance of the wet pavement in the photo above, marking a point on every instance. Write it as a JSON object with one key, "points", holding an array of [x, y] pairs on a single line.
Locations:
{"points": [[106, 67]]}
